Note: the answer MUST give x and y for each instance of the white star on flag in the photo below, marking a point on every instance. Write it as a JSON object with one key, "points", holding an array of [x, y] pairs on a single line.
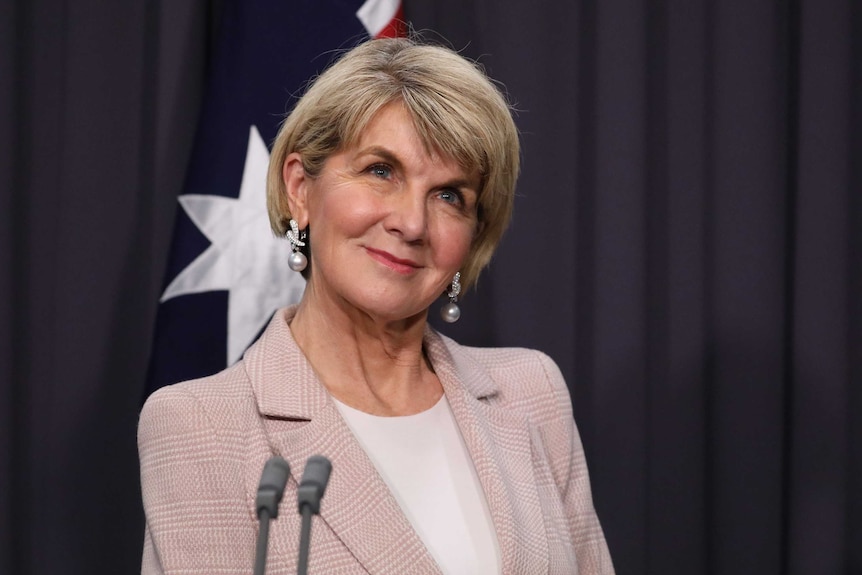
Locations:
{"points": [[244, 257]]}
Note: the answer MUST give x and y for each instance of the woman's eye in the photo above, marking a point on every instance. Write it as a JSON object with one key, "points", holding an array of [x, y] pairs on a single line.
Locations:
{"points": [[381, 171], [451, 197]]}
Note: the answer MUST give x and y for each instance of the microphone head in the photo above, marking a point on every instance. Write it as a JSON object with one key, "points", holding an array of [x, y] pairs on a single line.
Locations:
{"points": [[314, 481], [272, 482]]}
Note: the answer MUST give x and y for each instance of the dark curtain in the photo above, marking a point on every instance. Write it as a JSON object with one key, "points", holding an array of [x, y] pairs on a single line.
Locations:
{"points": [[687, 245], [98, 105]]}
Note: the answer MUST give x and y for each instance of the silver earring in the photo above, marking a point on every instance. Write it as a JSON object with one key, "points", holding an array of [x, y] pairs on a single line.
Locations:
{"points": [[451, 312], [297, 260]]}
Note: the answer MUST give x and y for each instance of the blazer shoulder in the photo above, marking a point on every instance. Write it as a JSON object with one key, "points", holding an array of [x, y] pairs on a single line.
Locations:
{"points": [[523, 376], [216, 402], [229, 381], [194, 446]]}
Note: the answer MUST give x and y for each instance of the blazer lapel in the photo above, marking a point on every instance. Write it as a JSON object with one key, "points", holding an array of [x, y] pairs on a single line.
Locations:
{"points": [[358, 506], [501, 446]]}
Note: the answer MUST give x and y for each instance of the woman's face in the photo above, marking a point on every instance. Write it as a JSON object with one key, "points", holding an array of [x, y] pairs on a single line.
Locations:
{"points": [[390, 222]]}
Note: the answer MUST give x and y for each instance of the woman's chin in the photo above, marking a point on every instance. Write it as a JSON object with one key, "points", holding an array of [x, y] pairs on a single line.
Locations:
{"points": [[386, 312]]}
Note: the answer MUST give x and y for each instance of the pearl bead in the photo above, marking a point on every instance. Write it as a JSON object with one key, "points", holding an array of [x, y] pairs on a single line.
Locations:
{"points": [[450, 312], [297, 261]]}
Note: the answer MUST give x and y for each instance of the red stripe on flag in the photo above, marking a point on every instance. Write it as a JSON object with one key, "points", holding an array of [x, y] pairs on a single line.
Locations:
{"points": [[396, 28]]}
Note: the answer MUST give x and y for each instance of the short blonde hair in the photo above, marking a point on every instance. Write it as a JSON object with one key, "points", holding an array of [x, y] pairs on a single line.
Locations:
{"points": [[456, 109]]}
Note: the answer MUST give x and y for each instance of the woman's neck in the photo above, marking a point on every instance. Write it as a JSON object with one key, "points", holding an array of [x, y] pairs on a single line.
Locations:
{"points": [[370, 364]]}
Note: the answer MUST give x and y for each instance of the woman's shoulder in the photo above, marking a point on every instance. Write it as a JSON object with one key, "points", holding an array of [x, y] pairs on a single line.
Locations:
{"points": [[229, 382], [513, 362], [523, 377], [195, 442], [503, 358], [213, 402]]}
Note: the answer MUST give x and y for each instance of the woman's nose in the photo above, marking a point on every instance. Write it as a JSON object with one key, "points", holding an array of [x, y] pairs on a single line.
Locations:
{"points": [[407, 216]]}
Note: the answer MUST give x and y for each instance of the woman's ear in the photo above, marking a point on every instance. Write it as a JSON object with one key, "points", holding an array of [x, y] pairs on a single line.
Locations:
{"points": [[296, 183]]}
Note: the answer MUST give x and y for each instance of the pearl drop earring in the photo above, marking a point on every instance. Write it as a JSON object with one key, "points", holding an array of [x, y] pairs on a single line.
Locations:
{"points": [[297, 260], [451, 312]]}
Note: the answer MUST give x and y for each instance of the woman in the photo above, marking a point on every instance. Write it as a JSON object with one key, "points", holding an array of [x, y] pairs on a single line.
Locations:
{"points": [[393, 179]]}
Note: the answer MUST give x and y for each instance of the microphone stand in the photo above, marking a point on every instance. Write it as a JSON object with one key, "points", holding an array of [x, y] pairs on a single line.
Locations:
{"points": [[262, 544], [310, 492], [269, 494], [304, 541]]}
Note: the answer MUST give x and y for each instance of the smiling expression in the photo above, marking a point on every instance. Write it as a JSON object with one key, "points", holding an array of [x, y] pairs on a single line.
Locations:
{"points": [[390, 222]]}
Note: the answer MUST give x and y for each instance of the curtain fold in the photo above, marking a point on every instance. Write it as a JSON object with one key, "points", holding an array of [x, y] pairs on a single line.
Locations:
{"points": [[97, 110], [696, 168]]}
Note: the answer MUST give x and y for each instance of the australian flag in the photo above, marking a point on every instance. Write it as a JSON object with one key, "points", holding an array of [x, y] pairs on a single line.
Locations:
{"points": [[227, 273]]}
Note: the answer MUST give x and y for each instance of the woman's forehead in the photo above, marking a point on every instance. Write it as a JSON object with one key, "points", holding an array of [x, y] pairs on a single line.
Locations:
{"points": [[393, 133]]}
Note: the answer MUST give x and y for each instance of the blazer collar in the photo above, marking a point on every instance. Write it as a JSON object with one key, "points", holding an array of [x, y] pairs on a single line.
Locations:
{"points": [[284, 383], [275, 363], [501, 444], [358, 507]]}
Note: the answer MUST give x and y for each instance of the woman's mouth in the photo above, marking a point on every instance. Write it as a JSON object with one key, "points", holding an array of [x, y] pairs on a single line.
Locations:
{"points": [[400, 265]]}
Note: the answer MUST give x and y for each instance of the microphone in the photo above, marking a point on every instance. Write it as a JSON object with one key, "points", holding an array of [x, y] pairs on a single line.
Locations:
{"points": [[311, 488], [269, 494]]}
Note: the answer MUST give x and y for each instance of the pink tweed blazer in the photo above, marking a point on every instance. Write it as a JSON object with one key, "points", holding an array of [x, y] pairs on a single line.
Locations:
{"points": [[203, 444]]}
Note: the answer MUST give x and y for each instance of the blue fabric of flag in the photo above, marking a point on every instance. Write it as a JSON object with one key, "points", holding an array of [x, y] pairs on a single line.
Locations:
{"points": [[267, 51]]}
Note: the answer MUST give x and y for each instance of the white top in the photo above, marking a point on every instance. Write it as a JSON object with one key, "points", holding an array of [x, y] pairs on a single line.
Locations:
{"points": [[425, 463]]}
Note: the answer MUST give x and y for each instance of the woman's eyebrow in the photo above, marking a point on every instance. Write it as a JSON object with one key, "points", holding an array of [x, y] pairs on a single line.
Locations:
{"points": [[384, 154], [388, 156]]}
